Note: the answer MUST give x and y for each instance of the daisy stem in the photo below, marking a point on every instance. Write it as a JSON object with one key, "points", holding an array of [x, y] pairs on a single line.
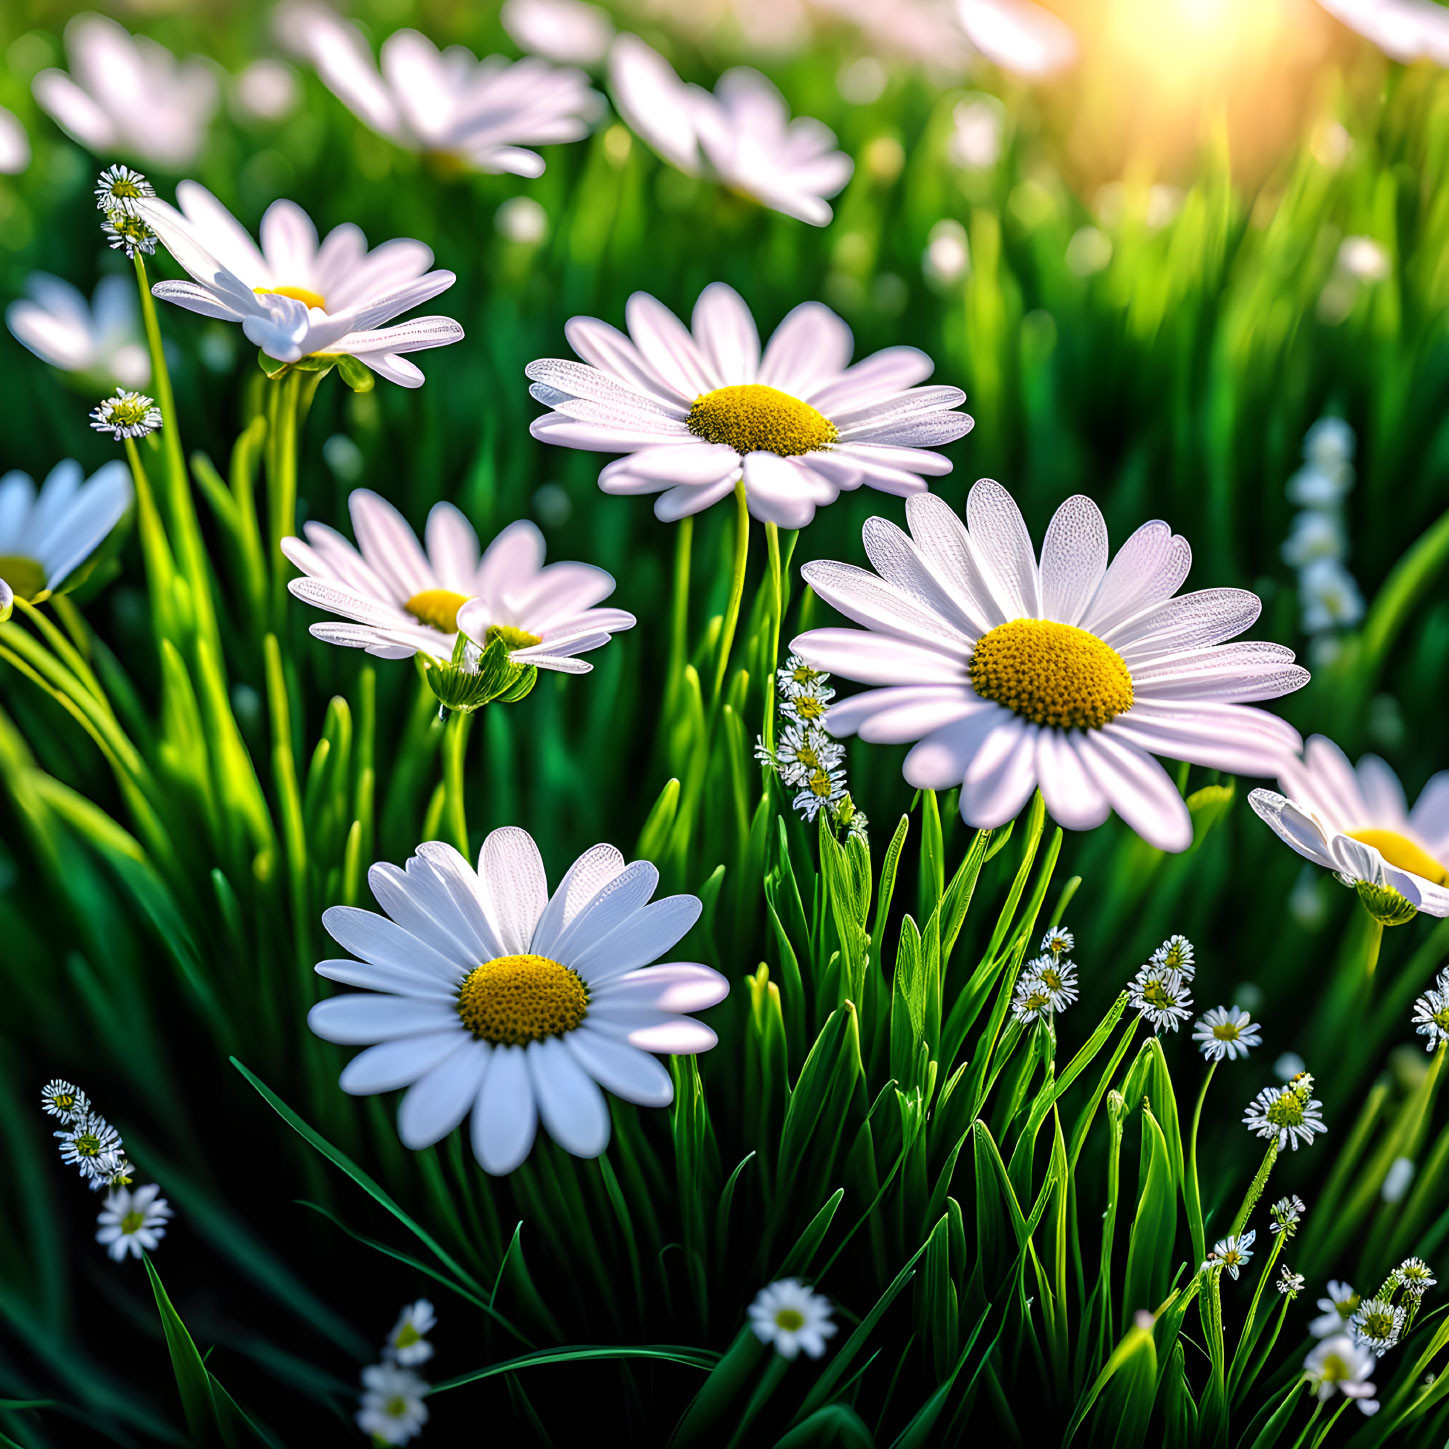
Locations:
{"points": [[1194, 1201], [777, 609], [737, 589], [455, 748], [1248, 1379], [1326, 1429], [679, 630], [1307, 1428], [1255, 1189], [282, 398], [1245, 1337], [155, 548]]}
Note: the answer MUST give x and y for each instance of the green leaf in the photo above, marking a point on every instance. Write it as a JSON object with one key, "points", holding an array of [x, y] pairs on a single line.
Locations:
{"points": [[192, 1379], [357, 376]]}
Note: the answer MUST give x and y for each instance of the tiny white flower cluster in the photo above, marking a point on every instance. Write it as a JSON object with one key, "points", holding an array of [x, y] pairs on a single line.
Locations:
{"points": [[1291, 1113], [1287, 1213], [1160, 989], [1049, 983], [1317, 543], [1431, 1013], [805, 757], [1372, 1326], [1226, 1031], [393, 1409], [1231, 1254], [130, 1222], [118, 192]]}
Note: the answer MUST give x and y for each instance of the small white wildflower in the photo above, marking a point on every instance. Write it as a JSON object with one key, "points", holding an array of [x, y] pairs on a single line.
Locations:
{"points": [[1232, 1254], [127, 233], [133, 1222], [88, 1143], [392, 1409], [1330, 597], [1431, 1015], [64, 1100], [1315, 534], [1161, 995], [1176, 953], [1058, 941], [1338, 1363], [118, 188], [1377, 1326], [823, 790], [1335, 1310], [1397, 1180], [1226, 1032], [795, 676], [406, 1343], [1363, 259], [1290, 1282], [1329, 444], [802, 750], [1315, 487], [1288, 1113], [789, 1316], [126, 415], [1415, 1277], [1287, 1214]]}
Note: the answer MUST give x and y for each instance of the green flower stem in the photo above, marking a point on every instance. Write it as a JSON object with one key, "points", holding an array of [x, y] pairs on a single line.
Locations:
{"points": [[1190, 1185], [777, 609], [455, 749], [283, 398], [1255, 1189], [1245, 1337], [1324, 1432], [1249, 1377], [737, 589], [155, 547], [1308, 1427], [679, 624]]}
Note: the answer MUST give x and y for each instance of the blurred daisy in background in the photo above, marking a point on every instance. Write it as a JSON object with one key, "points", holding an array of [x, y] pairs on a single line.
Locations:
{"points": [[97, 341], [295, 297], [407, 1344], [46, 534], [14, 144], [486, 994], [1069, 674], [133, 1221], [1018, 36], [792, 1319], [266, 90], [1406, 30], [697, 410], [740, 135], [128, 95], [393, 1410], [1339, 1365], [569, 32], [480, 115], [402, 599], [1334, 1310]]}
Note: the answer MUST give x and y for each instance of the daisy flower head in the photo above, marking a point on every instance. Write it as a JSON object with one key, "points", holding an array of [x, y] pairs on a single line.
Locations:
{"points": [[1177, 954], [1069, 673], [1377, 1325], [64, 1100], [1356, 821], [1339, 1365], [112, 1169], [47, 533], [469, 114], [1287, 1214], [443, 597], [1415, 1277], [393, 1403], [802, 750], [100, 338], [14, 144], [1226, 1031], [1335, 1310], [88, 1144], [406, 1343], [128, 95], [126, 415], [133, 1222], [1290, 1282], [128, 233], [1232, 1254], [483, 993], [696, 410], [1431, 1013], [1056, 976], [1032, 1000], [118, 188], [568, 31], [1291, 1114], [1162, 996], [1019, 36], [791, 1318], [821, 789], [297, 297], [1057, 942], [740, 135], [795, 677], [1405, 30]]}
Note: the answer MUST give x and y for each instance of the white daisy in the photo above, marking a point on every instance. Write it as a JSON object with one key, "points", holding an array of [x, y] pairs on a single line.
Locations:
{"points": [[1058, 941], [1406, 30], [1288, 1113], [802, 750], [486, 994], [45, 536], [126, 94], [406, 1343], [130, 234], [119, 188], [7, 601], [1069, 675], [1431, 1013], [821, 789], [1330, 597], [1020, 37], [695, 411], [478, 115], [740, 135], [133, 1222], [126, 415], [1377, 1325], [1338, 1363], [295, 297], [1162, 996], [1316, 534], [787, 1315], [87, 1143], [402, 599], [567, 31], [1226, 1032], [393, 1408], [59, 1098], [1177, 954], [1335, 1310], [100, 339], [1415, 1277], [266, 90], [14, 144], [1287, 1213], [1057, 977], [795, 676], [1290, 1282], [1356, 822], [1232, 1254], [1031, 1000]]}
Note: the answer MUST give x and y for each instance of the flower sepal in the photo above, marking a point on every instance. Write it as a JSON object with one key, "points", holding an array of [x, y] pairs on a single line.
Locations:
{"points": [[1386, 905], [474, 677]]}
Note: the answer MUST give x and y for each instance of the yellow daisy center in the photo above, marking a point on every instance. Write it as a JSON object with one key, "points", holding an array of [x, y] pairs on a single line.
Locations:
{"points": [[754, 418], [513, 1000], [1397, 849], [407, 1335], [297, 294], [437, 608], [1225, 1031], [790, 1319], [808, 707], [133, 1223], [1052, 674], [26, 576], [513, 638]]}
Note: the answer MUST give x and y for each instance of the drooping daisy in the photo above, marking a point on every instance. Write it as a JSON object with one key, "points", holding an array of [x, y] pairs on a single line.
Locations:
{"points": [[100, 339], [45, 536], [1177, 954], [1058, 941], [485, 994], [1415, 1277], [1406, 30], [1288, 1113], [740, 135], [1162, 996], [128, 95], [130, 234], [393, 1403], [1068, 675], [1020, 37], [402, 599], [1287, 1213], [1290, 1282], [1377, 1325], [125, 415], [1232, 1254], [295, 297], [791, 1318], [567, 31], [696, 411], [1431, 1013], [64, 1099], [119, 188], [478, 115], [133, 1222], [406, 1343], [1226, 1032], [87, 1144], [1357, 823], [1339, 1364], [1335, 1310]]}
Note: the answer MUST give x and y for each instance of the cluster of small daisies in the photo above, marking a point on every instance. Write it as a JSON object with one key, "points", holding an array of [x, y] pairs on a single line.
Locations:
{"points": [[1289, 1113], [1048, 984], [1431, 1013], [118, 190], [131, 1221], [1160, 989], [1233, 1253], [393, 1408], [804, 756]]}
